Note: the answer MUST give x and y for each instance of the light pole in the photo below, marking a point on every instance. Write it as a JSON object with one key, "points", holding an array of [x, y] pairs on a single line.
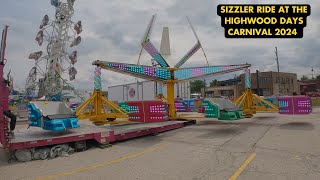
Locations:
{"points": [[277, 59]]}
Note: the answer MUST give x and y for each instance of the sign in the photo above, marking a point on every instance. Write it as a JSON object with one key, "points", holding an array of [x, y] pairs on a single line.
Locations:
{"points": [[132, 92], [264, 20]]}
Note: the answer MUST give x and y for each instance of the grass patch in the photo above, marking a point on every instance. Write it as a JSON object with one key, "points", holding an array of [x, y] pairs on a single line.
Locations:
{"points": [[315, 101]]}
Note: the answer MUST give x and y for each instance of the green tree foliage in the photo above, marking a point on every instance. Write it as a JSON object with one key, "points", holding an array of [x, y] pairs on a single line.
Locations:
{"points": [[214, 83], [16, 92], [304, 77], [197, 85], [318, 77]]}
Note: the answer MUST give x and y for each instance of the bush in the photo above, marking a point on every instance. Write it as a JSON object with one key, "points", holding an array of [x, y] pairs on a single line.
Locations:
{"points": [[315, 101]]}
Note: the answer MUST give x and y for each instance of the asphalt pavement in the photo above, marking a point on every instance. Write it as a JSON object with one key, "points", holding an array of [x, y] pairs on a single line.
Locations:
{"points": [[268, 146]]}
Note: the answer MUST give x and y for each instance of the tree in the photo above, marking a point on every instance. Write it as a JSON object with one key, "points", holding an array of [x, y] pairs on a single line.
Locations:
{"points": [[304, 77], [197, 85], [318, 77], [16, 92], [214, 83]]}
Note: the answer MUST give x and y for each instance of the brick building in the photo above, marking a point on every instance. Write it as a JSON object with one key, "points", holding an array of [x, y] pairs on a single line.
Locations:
{"points": [[270, 83], [310, 87]]}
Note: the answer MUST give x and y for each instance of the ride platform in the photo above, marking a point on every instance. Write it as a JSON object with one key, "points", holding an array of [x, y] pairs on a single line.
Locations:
{"points": [[35, 137]]}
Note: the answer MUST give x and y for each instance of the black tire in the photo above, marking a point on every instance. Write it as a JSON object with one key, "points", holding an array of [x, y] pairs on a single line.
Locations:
{"points": [[111, 119], [97, 124]]}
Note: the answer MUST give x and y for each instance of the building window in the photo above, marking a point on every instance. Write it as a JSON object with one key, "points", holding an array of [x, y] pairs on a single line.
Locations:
{"points": [[227, 93], [266, 92]]}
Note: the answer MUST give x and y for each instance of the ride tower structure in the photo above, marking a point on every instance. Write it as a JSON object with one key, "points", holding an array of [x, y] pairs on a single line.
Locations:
{"points": [[251, 103], [98, 108], [61, 33]]}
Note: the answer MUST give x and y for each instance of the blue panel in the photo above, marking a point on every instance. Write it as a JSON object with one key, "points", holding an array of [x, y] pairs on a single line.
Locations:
{"points": [[247, 79], [61, 124], [211, 70], [148, 46], [160, 60], [163, 73], [182, 74], [135, 69], [140, 71], [55, 3], [189, 73], [53, 124]]}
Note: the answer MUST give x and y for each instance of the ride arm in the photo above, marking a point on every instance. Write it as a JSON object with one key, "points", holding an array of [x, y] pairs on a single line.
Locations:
{"points": [[139, 71], [192, 51], [184, 74], [148, 46]]}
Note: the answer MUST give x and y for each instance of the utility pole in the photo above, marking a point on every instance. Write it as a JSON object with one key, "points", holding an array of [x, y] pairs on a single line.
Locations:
{"points": [[276, 51], [258, 87]]}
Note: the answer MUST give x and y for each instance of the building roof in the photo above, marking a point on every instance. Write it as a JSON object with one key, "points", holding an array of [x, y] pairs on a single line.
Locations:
{"points": [[234, 80]]}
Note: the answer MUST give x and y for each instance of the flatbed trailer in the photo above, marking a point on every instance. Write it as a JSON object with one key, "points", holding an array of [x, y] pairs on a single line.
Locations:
{"points": [[36, 137]]}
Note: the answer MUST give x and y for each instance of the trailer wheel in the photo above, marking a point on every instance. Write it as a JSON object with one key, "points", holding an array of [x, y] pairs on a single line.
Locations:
{"points": [[98, 124], [111, 119]]}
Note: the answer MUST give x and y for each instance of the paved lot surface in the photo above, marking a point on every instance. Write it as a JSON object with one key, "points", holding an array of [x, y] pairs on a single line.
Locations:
{"points": [[268, 146]]}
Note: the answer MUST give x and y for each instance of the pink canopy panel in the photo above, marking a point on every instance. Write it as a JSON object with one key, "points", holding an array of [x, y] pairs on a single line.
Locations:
{"points": [[73, 57], [78, 27], [39, 37], [295, 105], [44, 22]]}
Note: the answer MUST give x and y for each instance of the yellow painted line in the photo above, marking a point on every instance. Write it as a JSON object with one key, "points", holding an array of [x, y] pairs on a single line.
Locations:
{"points": [[242, 167], [103, 163]]}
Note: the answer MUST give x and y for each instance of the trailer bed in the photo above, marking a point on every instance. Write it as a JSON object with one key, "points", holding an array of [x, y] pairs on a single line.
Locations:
{"points": [[36, 137]]}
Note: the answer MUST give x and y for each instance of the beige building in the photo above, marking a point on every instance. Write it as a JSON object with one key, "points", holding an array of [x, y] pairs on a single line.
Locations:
{"points": [[270, 83]]}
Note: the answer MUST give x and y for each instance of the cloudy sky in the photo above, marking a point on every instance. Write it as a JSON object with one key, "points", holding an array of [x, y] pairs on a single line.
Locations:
{"points": [[113, 29]]}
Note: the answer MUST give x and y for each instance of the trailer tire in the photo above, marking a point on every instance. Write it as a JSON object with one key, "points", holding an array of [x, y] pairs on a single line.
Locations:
{"points": [[23, 155], [98, 124], [111, 119]]}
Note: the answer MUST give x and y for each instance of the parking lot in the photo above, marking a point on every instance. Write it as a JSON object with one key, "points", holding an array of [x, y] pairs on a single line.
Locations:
{"points": [[268, 146]]}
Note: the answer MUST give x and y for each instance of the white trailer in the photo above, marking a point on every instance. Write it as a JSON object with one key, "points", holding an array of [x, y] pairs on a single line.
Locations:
{"points": [[145, 90]]}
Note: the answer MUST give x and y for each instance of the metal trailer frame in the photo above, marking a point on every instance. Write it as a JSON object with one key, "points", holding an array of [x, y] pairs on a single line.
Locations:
{"points": [[100, 134], [4, 92]]}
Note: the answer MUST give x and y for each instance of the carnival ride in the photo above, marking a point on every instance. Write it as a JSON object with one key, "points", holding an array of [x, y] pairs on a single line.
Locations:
{"points": [[38, 144], [251, 103], [98, 108], [27, 145], [61, 34], [49, 114], [166, 74]]}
